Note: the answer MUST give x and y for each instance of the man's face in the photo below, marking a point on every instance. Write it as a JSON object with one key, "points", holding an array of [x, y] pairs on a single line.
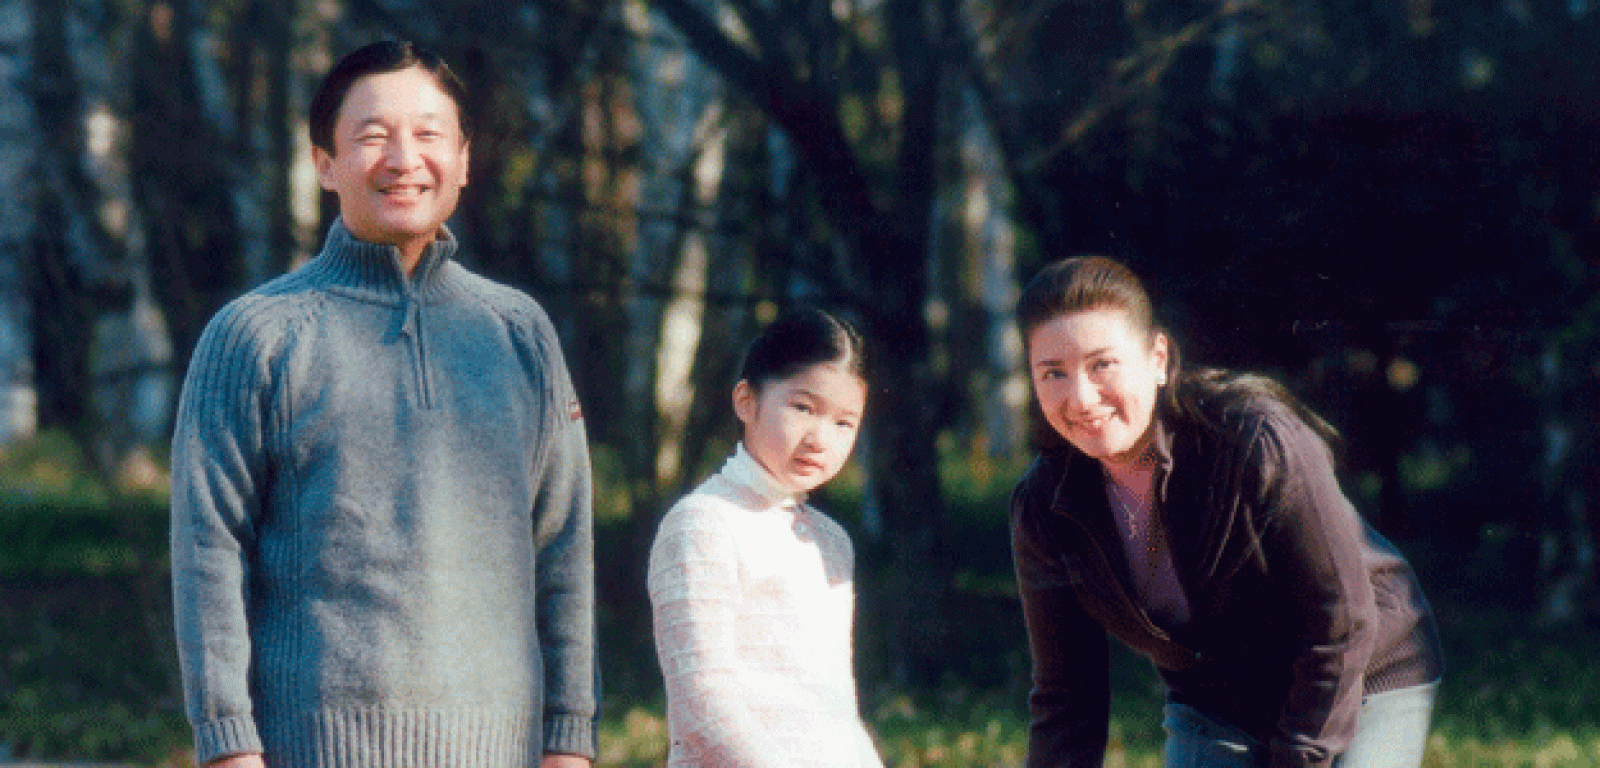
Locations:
{"points": [[400, 160]]}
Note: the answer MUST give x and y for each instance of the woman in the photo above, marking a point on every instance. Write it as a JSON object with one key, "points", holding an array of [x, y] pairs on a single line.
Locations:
{"points": [[1197, 517], [751, 586]]}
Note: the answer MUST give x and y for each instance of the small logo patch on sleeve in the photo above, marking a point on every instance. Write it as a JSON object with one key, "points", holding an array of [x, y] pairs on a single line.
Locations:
{"points": [[575, 411]]}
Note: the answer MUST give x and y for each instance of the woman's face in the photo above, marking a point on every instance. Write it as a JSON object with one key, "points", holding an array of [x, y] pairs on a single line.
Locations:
{"points": [[1096, 377]]}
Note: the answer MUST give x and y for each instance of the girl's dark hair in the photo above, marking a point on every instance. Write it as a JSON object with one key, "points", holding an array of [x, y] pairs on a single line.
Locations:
{"points": [[378, 58], [799, 339], [1201, 397]]}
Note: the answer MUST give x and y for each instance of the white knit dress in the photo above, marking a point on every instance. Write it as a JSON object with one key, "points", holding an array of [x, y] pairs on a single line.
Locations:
{"points": [[753, 601]]}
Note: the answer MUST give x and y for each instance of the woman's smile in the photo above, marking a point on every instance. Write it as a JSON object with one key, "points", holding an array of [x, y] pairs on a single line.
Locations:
{"points": [[1096, 378]]}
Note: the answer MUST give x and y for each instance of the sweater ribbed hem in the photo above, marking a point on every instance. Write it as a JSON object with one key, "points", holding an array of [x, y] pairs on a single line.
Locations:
{"points": [[571, 734], [376, 737], [225, 736]]}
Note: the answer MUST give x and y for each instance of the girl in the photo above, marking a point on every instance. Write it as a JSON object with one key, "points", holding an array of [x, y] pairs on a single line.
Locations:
{"points": [[1197, 518], [750, 586]]}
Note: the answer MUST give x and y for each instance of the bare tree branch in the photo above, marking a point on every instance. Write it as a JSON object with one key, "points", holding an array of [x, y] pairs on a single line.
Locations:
{"points": [[811, 123]]}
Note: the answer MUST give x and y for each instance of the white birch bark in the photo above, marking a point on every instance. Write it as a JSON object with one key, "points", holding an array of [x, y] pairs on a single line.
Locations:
{"points": [[248, 185], [681, 113], [312, 54], [131, 352], [991, 242]]}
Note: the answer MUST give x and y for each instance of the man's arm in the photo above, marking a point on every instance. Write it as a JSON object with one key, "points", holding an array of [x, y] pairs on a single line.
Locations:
{"points": [[218, 463], [563, 521], [694, 597]]}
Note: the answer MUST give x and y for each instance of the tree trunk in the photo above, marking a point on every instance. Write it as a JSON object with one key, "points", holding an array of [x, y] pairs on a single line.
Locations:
{"points": [[269, 43], [731, 292], [190, 207], [890, 242], [684, 103], [231, 102], [992, 241], [18, 212], [130, 355], [79, 266], [974, 249], [903, 464], [663, 330], [1567, 564]]}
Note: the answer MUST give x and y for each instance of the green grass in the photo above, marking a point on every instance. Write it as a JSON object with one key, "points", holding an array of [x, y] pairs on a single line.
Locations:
{"points": [[87, 670], [1512, 696]]}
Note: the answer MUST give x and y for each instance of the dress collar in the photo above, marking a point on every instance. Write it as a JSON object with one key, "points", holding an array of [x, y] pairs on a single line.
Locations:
{"points": [[743, 469]]}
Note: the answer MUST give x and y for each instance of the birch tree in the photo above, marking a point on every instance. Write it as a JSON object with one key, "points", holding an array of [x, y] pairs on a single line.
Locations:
{"points": [[80, 267], [855, 89], [18, 212], [976, 210], [188, 198], [130, 353]]}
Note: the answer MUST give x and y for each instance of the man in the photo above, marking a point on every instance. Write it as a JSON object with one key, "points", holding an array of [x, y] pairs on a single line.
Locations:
{"points": [[382, 549]]}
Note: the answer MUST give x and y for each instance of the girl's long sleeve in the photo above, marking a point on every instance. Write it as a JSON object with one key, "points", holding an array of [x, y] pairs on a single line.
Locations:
{"points": [[694, 585]]}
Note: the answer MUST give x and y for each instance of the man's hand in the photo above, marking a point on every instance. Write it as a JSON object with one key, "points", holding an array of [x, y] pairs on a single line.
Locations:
{"points": [[250, 760], [554, 760]]}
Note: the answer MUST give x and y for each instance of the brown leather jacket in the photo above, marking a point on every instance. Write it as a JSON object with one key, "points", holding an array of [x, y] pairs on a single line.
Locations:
{"points": [[1297, 607]]}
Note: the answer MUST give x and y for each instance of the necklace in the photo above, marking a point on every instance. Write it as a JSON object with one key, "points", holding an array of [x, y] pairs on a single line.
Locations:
{"points": [[1136, 527], [1149, 558]]}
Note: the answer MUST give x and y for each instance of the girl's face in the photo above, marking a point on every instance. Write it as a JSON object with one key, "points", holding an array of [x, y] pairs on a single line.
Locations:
{"points": [[1096, 377], [801, 428]]}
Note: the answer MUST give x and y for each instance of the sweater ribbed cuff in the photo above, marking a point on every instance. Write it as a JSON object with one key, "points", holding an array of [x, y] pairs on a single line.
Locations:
{"points": [[571, 734], [225, 736]]}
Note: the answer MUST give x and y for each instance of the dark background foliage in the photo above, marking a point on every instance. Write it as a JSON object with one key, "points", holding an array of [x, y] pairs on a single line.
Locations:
{"points": [[1393, 207]]}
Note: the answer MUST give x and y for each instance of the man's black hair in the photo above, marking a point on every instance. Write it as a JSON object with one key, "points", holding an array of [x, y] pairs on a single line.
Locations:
{"points": [[377, 58]]}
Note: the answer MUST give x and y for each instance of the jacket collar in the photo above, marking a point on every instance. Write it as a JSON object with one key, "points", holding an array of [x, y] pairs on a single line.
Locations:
{"points": [[1078, 465]]}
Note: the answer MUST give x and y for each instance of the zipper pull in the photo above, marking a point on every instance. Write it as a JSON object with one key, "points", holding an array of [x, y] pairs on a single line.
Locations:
{"points": [[408, 325]]}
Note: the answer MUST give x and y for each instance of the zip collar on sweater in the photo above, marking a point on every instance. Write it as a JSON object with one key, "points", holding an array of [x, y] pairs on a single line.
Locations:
{"points": [[373, 272]]}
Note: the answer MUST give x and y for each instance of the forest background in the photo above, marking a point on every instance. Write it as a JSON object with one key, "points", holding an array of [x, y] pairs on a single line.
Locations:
{"points": [[1392, 205]]}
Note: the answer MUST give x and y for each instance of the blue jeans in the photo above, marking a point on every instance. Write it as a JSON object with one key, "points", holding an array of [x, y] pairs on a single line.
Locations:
{"points": [[1391, 732]]}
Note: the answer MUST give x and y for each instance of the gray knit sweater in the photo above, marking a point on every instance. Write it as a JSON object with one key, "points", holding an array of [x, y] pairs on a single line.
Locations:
{"points": [[382, 551]]}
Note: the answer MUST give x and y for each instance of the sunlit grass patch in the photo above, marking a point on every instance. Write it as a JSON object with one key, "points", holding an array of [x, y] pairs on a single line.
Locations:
{"points": [[47, 467], [912, 737], [635, 739], [909, 734], [1556, 749]]}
